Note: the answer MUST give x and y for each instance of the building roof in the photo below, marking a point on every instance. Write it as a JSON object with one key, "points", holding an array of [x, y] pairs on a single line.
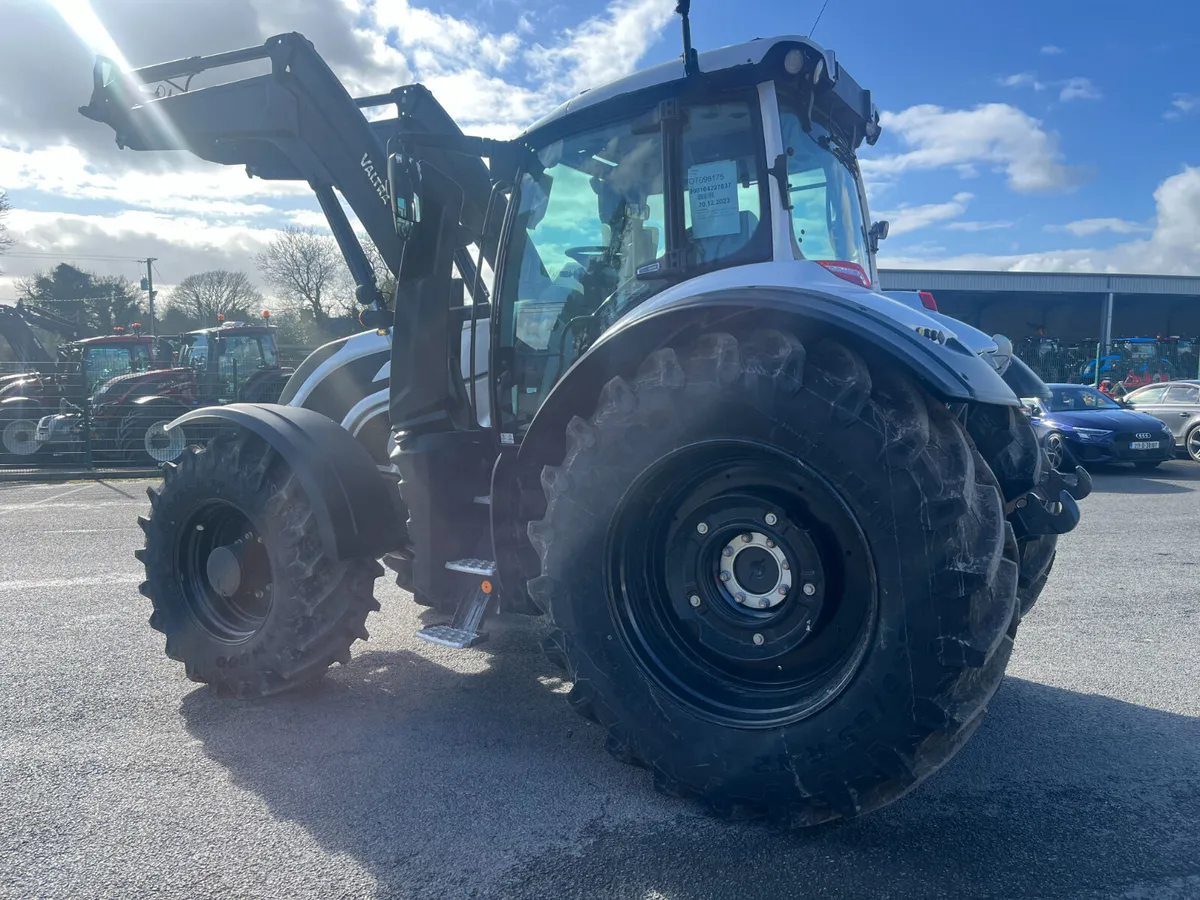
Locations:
{"points": [[1037, 282]]}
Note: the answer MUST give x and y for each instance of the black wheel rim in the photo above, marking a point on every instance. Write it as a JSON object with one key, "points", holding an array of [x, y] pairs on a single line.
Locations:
{"points": [[1054, 450], [224, 572], [693, 614]]}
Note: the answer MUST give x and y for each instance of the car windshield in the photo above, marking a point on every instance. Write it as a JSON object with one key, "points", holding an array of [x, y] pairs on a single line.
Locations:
{"points": [[1077, 399]]}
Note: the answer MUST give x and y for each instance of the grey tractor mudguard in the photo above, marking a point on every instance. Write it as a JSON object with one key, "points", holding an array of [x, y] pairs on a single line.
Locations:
{"points": [[356, 507], [948, 370]]}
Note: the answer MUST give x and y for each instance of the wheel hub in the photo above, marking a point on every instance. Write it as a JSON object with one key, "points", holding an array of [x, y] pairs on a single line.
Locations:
{"points": [[742, 582], [224, 570], [754, 570]]}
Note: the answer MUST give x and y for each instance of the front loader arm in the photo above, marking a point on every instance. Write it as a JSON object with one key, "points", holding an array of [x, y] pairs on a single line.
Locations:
{"points": [[296, 122]]}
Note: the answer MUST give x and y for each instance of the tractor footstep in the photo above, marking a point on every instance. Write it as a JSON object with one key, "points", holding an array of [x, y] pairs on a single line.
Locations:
{"points": [[464, 631]]}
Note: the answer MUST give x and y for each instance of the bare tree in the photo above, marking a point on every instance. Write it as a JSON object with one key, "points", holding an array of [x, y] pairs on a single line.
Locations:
{"points": [[6, 240], [205, 295], [385, 278], [307, 272]]}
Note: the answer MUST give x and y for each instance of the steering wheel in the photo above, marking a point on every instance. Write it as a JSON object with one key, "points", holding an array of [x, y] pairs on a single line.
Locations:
{"points": [[584, 255]]}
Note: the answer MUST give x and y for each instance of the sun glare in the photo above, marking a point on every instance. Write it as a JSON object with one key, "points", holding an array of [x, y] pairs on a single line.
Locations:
{"points": [[82, 19]]}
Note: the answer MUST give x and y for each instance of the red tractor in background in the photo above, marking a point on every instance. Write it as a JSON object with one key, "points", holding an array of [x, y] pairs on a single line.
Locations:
{"points": [[81, 367], [128, 414]]}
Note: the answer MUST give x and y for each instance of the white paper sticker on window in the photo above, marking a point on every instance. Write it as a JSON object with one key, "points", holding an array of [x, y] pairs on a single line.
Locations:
{"points": [[713, 198]]}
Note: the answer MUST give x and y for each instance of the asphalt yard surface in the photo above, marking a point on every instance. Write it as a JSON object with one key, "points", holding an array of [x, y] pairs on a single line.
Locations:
{"points": [[422, 772]]}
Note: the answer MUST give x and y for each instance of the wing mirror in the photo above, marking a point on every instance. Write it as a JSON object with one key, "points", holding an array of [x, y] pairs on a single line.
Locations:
{"points": [[404, 176], [879, 232]]}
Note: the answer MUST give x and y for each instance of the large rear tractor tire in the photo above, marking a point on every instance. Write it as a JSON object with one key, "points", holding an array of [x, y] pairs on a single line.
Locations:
{"points": [[781, 580], [240, 582]]}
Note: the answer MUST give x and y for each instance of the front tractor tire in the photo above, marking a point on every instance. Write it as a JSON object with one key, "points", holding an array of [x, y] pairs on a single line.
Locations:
{"points": [[241, 585], [18, 434], [780, 579], [143, 437]]}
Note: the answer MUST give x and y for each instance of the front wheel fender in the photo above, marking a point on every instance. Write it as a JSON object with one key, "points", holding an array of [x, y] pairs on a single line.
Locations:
{"points": [[356, 507]]}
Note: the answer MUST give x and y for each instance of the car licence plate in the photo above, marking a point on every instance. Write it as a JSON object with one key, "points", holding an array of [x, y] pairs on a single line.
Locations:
{"points": [[1144, 445]]}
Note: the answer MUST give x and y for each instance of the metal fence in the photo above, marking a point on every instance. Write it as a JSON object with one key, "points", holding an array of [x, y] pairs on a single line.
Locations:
{"points": [[59, 419], [1132, 362]]}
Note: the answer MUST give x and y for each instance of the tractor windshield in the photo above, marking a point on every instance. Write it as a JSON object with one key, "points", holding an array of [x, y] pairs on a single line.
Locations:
{"points": [[589, 239], [827, 209]]}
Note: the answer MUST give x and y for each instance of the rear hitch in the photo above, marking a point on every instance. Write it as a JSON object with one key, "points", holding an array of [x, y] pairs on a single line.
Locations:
{"points": [[1052, 508]]}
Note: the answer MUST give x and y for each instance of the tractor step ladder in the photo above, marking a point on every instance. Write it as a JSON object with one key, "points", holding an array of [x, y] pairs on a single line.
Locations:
{"points": [[464, 631]]}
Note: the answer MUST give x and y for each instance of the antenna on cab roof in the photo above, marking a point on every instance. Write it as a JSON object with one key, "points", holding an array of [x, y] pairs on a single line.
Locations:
{"points": [[691, 63]]}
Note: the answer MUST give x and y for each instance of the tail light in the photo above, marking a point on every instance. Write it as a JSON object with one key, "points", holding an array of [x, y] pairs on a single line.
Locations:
{"points": [[847, 271], [927, 300]]}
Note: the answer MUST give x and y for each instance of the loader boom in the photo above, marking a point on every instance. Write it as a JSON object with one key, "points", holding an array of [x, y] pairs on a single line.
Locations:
{"points": [[295, 123], [15, 322]]}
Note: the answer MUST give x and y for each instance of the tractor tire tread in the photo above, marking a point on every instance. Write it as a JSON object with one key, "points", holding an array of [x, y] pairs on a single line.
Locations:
{"points": [[928, 457]]}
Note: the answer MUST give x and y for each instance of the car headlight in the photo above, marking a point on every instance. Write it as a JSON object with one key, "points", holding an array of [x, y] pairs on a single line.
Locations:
{"points": [[1088, 435]]}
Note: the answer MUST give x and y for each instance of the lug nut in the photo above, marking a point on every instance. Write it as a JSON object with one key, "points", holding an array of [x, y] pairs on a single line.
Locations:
{"points": [[694, 600], [746, 538], [809, 589], [702, 527], [739, 597], [770, 544], [762, 604], [725, 576], [771, 518], [728, 551], [199, 527], [783, 588], [785, 565], [758, 640]]}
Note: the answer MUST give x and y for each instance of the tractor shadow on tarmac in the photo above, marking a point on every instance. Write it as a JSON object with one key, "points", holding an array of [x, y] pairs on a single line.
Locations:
{"points": [[442, 783]]}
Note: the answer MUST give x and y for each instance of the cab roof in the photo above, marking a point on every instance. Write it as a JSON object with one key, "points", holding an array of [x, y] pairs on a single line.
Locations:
{"points": [[751, 53], [239, 327], [143, 338]]}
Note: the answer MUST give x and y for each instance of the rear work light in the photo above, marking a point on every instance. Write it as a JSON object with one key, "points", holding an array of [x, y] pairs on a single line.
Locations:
{"points": [[927, 300], [848, 271]]}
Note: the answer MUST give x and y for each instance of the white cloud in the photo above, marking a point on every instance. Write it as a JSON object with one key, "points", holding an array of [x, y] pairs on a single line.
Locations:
{"points": [[906, 219], [203, 188], [1079, 89], [1021, 79], [1173, 247], [1183, 105], [978, 226], [602, 48], [994, 133], [1051, 50], [1085, 227], [195, 215], [182, 244]]}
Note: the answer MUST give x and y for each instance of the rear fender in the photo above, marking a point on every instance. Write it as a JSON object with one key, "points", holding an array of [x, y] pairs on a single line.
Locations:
{"points": [[356, 507], [949, 371]]}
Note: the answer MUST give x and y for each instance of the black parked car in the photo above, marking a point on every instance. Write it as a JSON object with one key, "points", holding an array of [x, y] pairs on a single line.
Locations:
{"points": [[1177, 404], [1079, 425]]}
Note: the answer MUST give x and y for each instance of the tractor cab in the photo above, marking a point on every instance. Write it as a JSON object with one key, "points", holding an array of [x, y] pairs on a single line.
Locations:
{"points": [[665, 177], [225, 359], [655, 186], [100, 359]]}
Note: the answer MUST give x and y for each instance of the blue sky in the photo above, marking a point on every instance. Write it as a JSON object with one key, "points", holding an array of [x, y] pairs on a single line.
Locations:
{"points": [[1018, 135]]}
